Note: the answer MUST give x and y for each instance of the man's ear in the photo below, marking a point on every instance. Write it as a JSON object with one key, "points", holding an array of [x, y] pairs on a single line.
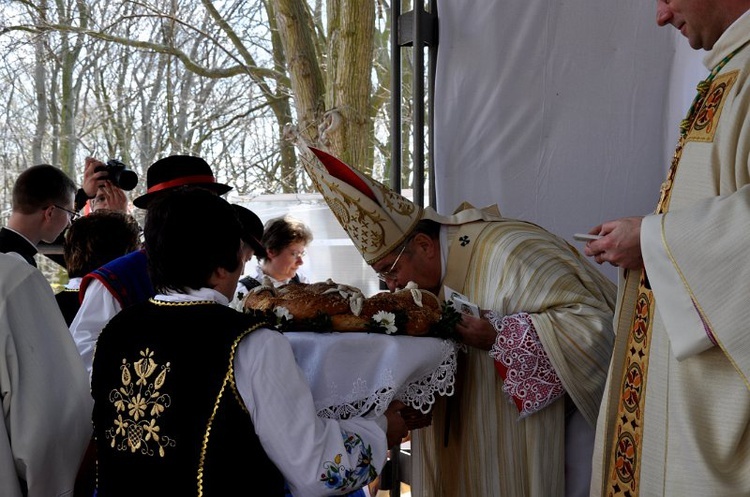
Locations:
{"points": [[426, 244], [217, 276], [48, 212]]}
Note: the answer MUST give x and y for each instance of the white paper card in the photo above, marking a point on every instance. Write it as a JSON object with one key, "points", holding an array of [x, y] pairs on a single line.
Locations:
{"points": [[461, 302]]}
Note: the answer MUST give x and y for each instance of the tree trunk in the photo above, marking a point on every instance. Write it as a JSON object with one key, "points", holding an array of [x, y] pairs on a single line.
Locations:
{"points": [[295, 24], [348, 125]]}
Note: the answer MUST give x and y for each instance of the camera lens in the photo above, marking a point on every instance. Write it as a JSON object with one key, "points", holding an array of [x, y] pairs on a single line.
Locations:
{"points": [[119, 174], [127, 179]]}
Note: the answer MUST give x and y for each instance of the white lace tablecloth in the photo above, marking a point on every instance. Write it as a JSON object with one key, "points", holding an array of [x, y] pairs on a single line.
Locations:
{"points": [[352, 374]]}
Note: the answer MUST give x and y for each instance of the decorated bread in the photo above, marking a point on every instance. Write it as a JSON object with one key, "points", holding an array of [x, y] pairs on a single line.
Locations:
{"points": [[415, 312], [329, 306]]}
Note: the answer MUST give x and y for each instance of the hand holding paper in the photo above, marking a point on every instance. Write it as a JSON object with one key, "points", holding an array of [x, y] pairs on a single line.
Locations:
{"points": [[461, 302]]}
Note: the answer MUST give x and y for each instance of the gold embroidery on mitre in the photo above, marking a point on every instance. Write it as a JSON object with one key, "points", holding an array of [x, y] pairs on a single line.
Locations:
{"points": [[707, 117], [395, 202], [376, 218], [365, 227], [139, 403]]}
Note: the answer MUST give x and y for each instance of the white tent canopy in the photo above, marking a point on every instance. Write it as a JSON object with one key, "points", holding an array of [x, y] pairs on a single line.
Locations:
{"points": [[563, 113]]}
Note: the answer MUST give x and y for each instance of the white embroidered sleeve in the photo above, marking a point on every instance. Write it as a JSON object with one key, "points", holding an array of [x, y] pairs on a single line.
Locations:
{"points": [[529, 378], [318, 457]]}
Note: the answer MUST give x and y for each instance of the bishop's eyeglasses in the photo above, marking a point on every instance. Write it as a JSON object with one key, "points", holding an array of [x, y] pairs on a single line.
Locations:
{"points": [[391, 272]]}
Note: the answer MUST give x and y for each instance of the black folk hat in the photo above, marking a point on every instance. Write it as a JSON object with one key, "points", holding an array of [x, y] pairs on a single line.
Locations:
{"points": [[252, 229], [176, 171]]}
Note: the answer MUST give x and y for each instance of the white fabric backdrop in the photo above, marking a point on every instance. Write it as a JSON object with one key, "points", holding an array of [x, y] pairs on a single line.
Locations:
{"points": [[563, 113]]}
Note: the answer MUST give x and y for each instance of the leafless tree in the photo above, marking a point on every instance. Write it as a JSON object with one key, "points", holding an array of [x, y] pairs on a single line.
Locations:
{"points": [[229, 81]]}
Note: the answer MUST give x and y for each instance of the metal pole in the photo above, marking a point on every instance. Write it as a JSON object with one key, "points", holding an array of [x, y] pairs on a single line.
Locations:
{"points": [[418, 104], [395, 97]]}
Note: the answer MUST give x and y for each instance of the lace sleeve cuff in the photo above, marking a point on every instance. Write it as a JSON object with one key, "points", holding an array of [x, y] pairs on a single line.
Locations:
{"points": [[529, 378]]}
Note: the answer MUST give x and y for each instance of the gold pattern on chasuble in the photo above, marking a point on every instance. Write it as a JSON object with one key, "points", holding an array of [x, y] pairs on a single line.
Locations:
{"points": [[707, 117], [700, 126], [139, 403], [626, 450], [624, 461]]}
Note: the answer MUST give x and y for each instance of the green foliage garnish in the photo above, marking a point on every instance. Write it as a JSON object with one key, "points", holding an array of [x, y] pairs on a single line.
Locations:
{"points": [[446, 327]]}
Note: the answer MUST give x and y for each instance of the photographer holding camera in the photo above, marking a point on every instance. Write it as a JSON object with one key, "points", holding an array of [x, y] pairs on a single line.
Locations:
{"points": [[104, 185]]}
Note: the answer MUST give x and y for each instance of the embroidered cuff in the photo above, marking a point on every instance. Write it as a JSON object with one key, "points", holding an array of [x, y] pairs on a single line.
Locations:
{"points": [[528, 376]]}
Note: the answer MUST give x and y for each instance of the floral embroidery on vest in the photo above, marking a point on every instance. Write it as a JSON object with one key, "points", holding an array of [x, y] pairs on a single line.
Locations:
{"points": [[139, 403]]}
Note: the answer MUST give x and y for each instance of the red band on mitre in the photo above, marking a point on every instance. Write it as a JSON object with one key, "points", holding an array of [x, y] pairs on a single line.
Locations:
{"points": [[185, 180], [345, 173]]}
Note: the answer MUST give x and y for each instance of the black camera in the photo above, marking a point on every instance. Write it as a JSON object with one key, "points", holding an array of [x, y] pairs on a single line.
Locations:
{"points": [[119, 174]]}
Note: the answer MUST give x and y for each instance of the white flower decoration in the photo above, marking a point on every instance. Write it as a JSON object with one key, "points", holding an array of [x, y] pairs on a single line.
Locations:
{"points": [[416, 293], [386, 320], [282, 313]]}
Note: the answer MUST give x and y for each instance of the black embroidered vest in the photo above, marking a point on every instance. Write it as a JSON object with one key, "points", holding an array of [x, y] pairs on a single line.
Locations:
{"points": [[69, 303], [168, 419]]}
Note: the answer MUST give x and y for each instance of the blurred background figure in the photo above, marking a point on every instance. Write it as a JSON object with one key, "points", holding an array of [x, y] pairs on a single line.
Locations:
{"points": [[104, 185], [100, 190], [89, 243], [251, 235], [109, 196], [285, 240]]}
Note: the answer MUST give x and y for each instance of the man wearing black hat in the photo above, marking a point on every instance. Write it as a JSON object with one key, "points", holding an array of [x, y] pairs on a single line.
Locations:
{"points": [[252, 233], [125, 281], [219, 401]]}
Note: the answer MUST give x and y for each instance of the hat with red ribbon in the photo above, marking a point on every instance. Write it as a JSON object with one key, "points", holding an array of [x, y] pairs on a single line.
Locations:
{"points": [[176, 171]]}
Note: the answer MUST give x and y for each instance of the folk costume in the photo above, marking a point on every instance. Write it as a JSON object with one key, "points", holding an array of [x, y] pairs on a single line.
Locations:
{"points": [[213, 416], [46, 402], [677, 408], [518, 409], [125, 281], [261, 277], [68, 300], [105, 292]]}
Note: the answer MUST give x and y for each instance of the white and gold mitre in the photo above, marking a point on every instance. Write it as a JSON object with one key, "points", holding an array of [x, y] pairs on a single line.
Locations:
{"points": [[376, 218]]}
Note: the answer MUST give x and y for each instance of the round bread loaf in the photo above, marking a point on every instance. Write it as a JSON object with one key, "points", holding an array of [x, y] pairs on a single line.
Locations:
{"points": [[420, 310], [329, 306]]}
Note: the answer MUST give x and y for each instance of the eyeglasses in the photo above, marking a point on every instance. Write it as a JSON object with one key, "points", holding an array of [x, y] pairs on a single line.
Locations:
{"points": [[297, 254], [390, 274], [73, 215]]}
